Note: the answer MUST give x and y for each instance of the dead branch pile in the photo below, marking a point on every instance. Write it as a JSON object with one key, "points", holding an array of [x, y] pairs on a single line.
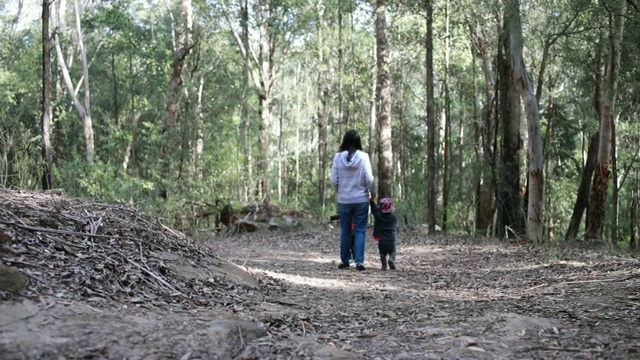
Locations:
{"points": [[77, 249]]}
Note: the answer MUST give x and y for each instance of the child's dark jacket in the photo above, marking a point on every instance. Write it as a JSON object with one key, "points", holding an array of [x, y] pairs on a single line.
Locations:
{"points": [[384, 226]]}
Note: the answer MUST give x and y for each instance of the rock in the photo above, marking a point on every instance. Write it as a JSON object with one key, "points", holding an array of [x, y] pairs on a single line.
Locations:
{"points": [[11, 279], [235, 331], [333, 353]]}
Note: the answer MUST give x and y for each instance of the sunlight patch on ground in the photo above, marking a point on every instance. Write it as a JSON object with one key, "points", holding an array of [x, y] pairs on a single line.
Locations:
{"points": [[343, 283]]}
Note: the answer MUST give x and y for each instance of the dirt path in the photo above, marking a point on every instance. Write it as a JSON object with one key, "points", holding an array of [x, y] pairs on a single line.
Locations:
{"points": [[450, 298]]}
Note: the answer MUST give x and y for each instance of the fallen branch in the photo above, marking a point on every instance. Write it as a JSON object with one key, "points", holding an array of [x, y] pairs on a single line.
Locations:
{"points": [[594, 281]]}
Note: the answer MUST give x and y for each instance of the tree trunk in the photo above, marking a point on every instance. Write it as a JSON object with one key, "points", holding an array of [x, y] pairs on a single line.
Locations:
{"points": [[342, 120], [634, 242], [373, 111], [535, 203], [182, 48], [84, 108], [383, 98], [510, 222], [47, 151], [582, 199], [246, 116], [484, 133], [447, 119], [199, 134], [321, 109], [431, 122], [597, 197]]}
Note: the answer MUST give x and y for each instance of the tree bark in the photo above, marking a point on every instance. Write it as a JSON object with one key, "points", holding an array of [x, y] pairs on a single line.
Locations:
{"points": [[447, 119], [321, 109], [582, 199], [510, 222], [484, 132], [246, 115], [597, 197], [83, 108], [383, 98], [535, 218], [47, 150], [181, 49], [431, 122]]}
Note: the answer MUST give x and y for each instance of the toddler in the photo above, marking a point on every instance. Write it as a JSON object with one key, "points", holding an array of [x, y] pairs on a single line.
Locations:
{"points": [[384, 230]]}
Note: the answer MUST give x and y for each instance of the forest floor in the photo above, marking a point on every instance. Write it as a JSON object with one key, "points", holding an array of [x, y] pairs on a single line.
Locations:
{"points": [[114, 296], [450, 298]]}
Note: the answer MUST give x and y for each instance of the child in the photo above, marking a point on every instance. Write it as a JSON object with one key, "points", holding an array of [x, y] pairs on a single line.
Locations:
{"points": [[384, 230]]}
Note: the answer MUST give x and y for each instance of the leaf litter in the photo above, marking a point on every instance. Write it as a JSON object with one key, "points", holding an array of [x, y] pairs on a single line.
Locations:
{"points": [[106, 281]]}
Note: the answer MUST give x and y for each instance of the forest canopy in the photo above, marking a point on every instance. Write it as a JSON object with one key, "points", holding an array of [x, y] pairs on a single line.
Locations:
{"points": [[511, 118]]}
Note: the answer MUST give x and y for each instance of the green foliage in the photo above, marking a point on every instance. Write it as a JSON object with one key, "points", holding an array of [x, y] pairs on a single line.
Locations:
{"points": [[129, 44]]}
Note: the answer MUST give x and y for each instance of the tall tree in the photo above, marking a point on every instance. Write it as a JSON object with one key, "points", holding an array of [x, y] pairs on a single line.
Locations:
{"points": [[321, 107], [510, 221], [431, 121], [446, 116], [383, 99], [47, 150], [263, 74], [83, 108], [596, 209], [535, 219], [484, 126]]}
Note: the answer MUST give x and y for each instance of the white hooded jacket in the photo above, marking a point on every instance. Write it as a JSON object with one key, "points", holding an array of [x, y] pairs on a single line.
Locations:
{"points": [[352, 178]]}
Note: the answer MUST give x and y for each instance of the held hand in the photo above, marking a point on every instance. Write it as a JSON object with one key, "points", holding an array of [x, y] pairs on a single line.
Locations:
{"points": [[372, 198]]}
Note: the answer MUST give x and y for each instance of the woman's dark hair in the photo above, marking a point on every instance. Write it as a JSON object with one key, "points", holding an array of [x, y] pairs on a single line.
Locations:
{"points": [[351, 141]]}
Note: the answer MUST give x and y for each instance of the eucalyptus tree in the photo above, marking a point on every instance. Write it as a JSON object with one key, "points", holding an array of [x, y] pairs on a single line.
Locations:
{"points": [[535, 219], [47, 150], [383, 99], [83, 108], [596, 209]]}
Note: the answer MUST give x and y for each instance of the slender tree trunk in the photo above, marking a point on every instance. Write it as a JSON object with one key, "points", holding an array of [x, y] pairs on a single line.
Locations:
{"points": [[83, 108], [342, 121], [484, 132], [383, 97], [535, 203], [597, 197], [246, 74], [373, 111], [510, 222], [447, 119], [321, 110], [47, 151], [182, 48], [431, 122], [199, 134], [582, 199], [114, 78], [634, 242], [281, 155], [266, 69], [615, 193]]}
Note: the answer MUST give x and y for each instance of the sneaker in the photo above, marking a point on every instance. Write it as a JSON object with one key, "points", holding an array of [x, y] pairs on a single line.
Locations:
{"points": [[343, 266], [392, 265], [360, 267], [352, 262]]}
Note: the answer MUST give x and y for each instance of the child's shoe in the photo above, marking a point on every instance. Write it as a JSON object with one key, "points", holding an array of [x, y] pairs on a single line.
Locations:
{"points": [[384, 264], [392, 265]]}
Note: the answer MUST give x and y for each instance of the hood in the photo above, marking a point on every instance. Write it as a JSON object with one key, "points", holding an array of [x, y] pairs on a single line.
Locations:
{"points": [[352, 161]]}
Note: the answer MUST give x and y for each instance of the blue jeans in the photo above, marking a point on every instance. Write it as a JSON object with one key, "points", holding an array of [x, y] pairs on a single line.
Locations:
{"points": [[353, 214]]}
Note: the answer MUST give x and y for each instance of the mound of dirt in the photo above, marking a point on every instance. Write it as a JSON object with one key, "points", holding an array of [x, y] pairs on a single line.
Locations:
{"points": [[83, 259]]}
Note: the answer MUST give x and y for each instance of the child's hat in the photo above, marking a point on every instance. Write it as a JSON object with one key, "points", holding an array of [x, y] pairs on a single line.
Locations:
{"points": [[386, 205]]}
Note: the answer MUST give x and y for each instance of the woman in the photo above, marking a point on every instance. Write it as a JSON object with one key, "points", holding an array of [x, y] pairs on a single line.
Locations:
{"points": [[352, 178]]}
